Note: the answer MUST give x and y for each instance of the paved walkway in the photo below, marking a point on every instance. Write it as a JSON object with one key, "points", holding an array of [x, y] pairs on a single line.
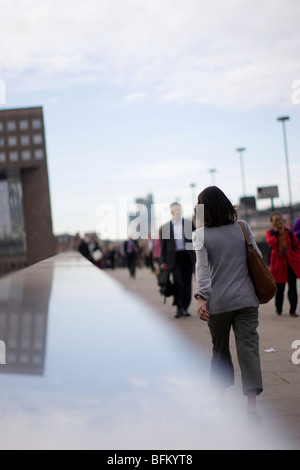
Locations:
{"points": [[279, 404]]}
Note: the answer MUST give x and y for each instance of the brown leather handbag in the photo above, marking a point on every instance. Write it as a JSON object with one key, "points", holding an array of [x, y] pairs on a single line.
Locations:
{"points": [[262, 279]]}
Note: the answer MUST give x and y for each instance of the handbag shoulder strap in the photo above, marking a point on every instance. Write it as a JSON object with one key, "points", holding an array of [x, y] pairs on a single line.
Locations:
{"points": [[248, 241]]}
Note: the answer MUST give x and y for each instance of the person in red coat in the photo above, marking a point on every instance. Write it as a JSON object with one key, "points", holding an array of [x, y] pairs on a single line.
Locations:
{"points": [[284, 262]]}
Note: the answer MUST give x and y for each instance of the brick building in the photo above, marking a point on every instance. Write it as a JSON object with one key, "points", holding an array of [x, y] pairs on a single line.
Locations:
{"points": [[26, 234]]}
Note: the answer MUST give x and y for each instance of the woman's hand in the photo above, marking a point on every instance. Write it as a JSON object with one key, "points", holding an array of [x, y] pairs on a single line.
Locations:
{"points": [[203, 313]]}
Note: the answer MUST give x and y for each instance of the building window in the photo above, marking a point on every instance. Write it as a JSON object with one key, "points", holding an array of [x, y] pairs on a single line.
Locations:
{"points": [[39, 154], [11, 358], [37, 360], [11, 126], [24, 359], [13, 156], [36, 124], [38, 345], [25, 140], [12, 141], [26, 155], [2, 142], [2, 157], [37, 139], [1, 127], [24, 125]]}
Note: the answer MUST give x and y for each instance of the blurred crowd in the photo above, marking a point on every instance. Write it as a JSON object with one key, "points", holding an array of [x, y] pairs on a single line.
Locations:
{"points": [[108, 255]]}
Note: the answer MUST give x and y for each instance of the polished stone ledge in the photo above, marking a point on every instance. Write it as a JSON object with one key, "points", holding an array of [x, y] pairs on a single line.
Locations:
{"points": [[89, 366]]}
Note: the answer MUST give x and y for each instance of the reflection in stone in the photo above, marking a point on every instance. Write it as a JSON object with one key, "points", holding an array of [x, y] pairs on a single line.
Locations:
{"points": [[12, 226], [23, 322], [117, 376]]}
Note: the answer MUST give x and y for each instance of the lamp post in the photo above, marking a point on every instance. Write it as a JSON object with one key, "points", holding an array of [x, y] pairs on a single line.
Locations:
{"points": [[241, 150], [283, 119], [212, 171]]}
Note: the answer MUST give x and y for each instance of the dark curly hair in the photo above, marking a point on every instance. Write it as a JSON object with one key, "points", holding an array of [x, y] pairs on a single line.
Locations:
{"points": [[218, 210]]}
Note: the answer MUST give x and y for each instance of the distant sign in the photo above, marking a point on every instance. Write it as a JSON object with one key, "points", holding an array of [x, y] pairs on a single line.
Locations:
{"points": [[248, 202], [267, 192]]}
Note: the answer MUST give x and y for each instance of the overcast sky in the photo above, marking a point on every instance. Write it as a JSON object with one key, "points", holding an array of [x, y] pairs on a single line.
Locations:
{"points": [[148, 96]]}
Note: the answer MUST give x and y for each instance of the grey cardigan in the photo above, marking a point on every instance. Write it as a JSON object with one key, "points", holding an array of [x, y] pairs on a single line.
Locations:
{"points": [[222, 277]]}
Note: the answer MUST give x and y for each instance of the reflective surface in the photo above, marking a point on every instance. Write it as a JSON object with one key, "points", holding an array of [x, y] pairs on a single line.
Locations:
{"points": [[12, 227], [91, 367]]}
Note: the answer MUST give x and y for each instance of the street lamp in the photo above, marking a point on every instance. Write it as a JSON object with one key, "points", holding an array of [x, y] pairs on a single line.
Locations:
{"points": [[212, 172], [241, 150], [283, 119]]}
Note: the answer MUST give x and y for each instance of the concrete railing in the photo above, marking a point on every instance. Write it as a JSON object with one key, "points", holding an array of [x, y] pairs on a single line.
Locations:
{"points": [[89, 366]]}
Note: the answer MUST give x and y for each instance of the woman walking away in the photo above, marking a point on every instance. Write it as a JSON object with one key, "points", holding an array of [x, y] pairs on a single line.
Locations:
{"points": [[226, 296]]}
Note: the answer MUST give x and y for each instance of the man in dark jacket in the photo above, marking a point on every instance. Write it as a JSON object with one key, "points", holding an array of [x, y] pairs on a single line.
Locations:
{"points": [[83, 248], [178, 257]]}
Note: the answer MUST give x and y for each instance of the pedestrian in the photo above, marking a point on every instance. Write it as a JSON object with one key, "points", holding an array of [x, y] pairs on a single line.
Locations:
{"points": [[97, 255], [284, 262], [83, 248], [112, 256], [131, 249], [178, 257], [226, 296], [76, 242], [296, 229], [149, 253], [157, 253]]}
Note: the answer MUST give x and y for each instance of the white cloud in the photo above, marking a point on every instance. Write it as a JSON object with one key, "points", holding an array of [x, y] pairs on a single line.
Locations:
{"points": [[160, 170], [229, 53], [135, 97]]}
